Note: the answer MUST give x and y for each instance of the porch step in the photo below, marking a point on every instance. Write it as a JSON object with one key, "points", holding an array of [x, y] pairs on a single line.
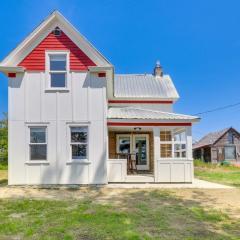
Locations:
{"points": [[143, 178]]}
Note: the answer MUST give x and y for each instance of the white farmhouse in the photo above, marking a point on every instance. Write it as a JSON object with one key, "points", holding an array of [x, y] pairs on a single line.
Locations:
{"points": [[72, 120]]}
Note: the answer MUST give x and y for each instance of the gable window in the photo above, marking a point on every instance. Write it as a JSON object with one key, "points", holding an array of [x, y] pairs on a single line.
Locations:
{"points": [[79, 142], [38, 143], [58, 67]]}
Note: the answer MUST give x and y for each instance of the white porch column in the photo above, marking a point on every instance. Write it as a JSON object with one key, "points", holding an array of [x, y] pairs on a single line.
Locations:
{"points": [[189, 142], [189, 149], [156, 150]]}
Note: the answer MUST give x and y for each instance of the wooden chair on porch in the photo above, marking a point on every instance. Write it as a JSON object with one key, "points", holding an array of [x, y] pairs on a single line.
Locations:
{"points": [[131, 162]]}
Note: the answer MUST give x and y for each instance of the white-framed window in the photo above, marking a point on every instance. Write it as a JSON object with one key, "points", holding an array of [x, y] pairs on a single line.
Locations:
{"points": [[180, 144], [173, 143], [38, 143], [57, 69], [166, 144], [79, 142]]}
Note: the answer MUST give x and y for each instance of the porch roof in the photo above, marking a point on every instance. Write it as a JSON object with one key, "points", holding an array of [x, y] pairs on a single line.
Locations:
{"points": [[147, 114]]}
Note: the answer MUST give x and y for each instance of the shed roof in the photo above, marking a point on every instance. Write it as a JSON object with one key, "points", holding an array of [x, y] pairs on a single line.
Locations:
{"points": [[144, 86], [139, 113], [210, 138]]}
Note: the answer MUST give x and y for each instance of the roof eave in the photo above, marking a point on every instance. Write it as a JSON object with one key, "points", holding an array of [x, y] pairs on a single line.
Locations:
{"points": [[10, 69], [152, 120]]}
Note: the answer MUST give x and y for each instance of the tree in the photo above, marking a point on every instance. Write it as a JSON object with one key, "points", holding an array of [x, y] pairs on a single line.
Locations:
{"points": [[4, 138]]}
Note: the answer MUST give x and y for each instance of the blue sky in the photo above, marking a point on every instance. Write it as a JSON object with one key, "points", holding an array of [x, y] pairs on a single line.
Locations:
{"points": [[197, 42]]}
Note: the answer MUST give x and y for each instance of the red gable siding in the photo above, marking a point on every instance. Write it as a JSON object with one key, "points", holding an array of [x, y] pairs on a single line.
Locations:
{"points": [[36, 59]]}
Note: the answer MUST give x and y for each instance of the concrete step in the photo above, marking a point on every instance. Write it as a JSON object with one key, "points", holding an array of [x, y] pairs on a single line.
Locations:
{"points": [[144, 178]]}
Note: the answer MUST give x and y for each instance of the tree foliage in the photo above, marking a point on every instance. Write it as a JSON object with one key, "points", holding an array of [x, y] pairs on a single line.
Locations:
{"points": [[4, 138]]}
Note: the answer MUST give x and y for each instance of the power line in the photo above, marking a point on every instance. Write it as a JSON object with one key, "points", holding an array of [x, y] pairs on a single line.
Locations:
{"points": [[219, 108]]}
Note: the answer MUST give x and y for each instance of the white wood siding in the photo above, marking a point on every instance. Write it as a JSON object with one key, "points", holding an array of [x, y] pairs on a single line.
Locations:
{"points": [[29, 104]]}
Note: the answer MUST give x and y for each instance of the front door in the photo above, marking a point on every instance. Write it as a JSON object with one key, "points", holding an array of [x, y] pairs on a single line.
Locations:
{"points": [[137, 145], [140, 146]]}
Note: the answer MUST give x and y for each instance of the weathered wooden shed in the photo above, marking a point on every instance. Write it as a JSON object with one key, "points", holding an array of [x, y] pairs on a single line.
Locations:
{"points": [[218, 146]]}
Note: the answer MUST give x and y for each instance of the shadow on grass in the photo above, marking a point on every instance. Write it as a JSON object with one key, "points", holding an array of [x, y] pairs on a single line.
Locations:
{"points": [[127, 214], [3, 182]]}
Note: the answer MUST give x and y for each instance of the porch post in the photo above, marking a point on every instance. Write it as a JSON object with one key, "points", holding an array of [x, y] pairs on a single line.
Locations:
{"points": [[189, 149], [156, 149], [189, 143]]}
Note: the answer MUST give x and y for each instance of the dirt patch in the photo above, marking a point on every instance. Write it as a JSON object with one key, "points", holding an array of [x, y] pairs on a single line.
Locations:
{"points": [[221, 199]]}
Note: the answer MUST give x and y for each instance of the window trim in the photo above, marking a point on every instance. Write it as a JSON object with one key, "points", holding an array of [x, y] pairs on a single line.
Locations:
{"points": [[69, 144], [29, 160], [48, 71]]}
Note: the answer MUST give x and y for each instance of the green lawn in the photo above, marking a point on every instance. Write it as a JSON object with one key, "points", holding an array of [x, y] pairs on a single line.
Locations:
{"points": [[139, 215], [229, 175], [132, 214], [3, 177]]}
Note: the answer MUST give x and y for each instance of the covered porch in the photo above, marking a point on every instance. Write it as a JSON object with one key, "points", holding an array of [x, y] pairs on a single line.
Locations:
{"points": [[150, 150]]}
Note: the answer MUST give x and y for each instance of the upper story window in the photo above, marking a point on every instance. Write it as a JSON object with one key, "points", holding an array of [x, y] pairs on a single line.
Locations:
{"points": [[57, 69]]}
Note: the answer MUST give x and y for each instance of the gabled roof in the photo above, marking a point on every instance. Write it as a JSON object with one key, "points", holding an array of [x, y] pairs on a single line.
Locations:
{"points": [[144, 86], [55, 19], [139, 113], [211, 138]]}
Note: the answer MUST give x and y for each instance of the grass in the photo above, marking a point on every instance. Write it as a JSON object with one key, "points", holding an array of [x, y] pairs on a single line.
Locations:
{"points": [[3, 172], [3, 165], [229, 175], [135, 215]]}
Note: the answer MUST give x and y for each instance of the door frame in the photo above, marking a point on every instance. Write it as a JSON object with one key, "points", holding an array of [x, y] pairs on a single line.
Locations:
{"points": [[132, 138]]}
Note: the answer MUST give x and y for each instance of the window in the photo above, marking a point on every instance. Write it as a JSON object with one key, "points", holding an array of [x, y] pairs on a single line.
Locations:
{"points": [[180, 144], [58, 70], [166, 150], [79, 142], [165, 136], [124, 145], [38, 143], [173, 143], [57, 32], [230, 152], [166, 144]]}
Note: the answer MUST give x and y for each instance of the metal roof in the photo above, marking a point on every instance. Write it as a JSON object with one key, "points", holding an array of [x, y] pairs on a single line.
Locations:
{"points": [[210, 138], [144, 86], [139, 113]]}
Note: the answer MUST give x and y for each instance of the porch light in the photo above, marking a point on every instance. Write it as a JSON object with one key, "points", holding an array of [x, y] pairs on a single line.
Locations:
{"points": [[137, 129]]}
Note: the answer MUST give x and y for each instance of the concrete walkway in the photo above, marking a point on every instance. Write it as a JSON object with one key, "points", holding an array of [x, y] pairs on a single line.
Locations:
{"points": [[197, 183]]}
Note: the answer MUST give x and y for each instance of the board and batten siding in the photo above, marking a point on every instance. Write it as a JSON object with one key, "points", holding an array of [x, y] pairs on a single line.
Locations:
{"points": [[221, 143], [35, 60], [30, 104]]}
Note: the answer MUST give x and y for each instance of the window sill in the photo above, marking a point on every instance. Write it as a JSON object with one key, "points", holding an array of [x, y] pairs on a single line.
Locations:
{"points": [[57, 90], [78, 162], [37, 162]]}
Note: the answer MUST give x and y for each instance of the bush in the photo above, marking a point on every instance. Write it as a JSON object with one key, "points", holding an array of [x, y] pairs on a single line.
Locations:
{"points": [[225, 163]]}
